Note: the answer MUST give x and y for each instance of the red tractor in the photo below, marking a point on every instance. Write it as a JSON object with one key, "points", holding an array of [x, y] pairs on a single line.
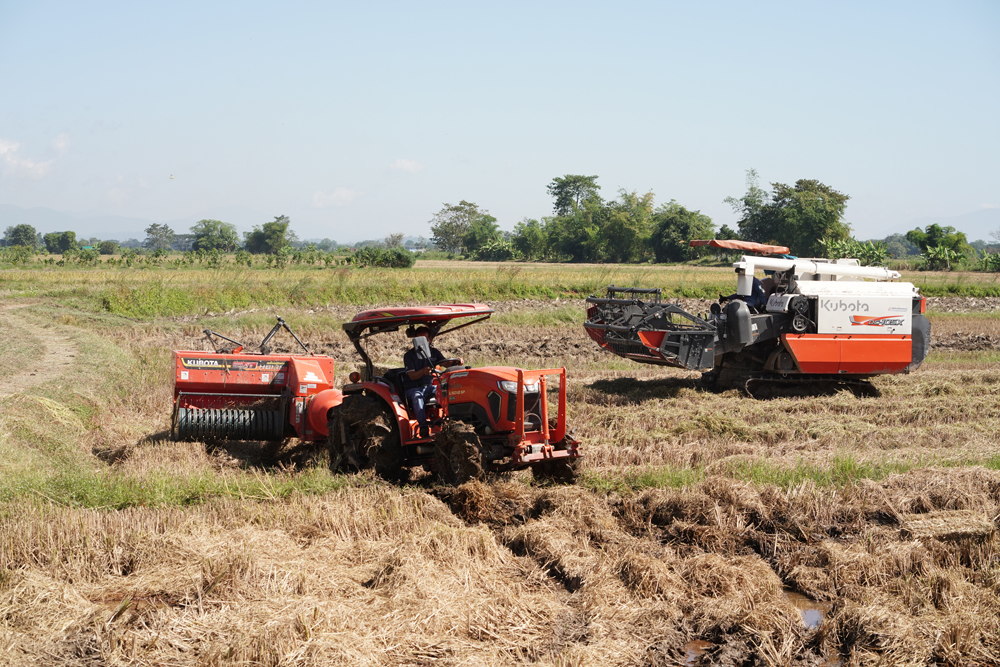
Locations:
{"points": [[494, 418]]}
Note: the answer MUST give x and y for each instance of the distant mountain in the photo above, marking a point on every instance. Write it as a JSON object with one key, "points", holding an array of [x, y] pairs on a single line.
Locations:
{"points": [[977, 225], [115, 227]]}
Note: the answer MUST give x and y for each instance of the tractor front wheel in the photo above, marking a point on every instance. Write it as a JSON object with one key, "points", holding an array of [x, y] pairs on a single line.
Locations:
{"points": [[458, 454], [560, 471]]}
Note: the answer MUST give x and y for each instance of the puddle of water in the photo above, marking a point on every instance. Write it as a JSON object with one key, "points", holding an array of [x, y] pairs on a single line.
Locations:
{"points": [[813, 611], [695, 649]]}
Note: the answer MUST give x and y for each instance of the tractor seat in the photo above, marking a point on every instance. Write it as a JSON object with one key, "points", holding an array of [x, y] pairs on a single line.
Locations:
{"points": [[394, 376]]}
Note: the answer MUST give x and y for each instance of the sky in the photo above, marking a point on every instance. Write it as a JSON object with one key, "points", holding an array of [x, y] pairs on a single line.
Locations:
{"points": [[358, 120]]}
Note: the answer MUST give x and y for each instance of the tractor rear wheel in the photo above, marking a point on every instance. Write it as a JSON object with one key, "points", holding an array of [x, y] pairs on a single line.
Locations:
{"points": [[458, 454], [362, 435]]}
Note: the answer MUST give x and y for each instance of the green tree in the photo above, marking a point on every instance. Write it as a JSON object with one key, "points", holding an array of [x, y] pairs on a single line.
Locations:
{"points": [[750, 208], [269, 238], [938, 236], [576, 237], [215, 235], [21, 235], [451, 224], [482, 231], [530, 239], [394, 240], [797, 216], [673, 227], [899, 246], [726, 233], [60, 242], [625, 225], [158, 237], [107, 247], [571, 191]]}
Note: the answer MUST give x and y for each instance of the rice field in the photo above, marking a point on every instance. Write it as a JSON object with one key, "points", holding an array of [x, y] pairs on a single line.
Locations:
{"points": [[708, 528]]}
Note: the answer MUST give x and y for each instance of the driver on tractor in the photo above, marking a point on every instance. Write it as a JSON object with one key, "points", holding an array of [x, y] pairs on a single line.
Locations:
{"points": [[419, 363]]}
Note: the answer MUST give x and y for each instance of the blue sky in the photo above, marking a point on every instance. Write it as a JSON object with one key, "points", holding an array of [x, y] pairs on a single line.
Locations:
{"points": [[361, 119]]}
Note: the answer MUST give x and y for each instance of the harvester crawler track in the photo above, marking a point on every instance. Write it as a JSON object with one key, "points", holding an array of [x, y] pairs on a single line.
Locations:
{"points": [[765, 387]]}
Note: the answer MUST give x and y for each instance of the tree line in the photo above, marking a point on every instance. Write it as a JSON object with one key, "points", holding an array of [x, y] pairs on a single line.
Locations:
{"points": [[584, 227], [808, 217]]}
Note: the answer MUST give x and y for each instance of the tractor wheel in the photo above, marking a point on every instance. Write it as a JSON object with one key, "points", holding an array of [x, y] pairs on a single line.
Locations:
{"points": [[362, 436], [458, 454], [560, 471], [385, 450]]}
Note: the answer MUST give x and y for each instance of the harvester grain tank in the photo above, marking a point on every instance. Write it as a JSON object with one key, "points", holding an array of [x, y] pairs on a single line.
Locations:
{"points": [[808, 320]]}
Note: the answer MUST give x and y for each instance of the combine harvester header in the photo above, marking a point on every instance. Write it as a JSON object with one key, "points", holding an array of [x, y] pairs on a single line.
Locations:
{"points": [[807, 320]]}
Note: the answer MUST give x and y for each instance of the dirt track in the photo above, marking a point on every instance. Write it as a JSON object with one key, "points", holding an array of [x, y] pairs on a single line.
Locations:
{"points": [[58, 355]]}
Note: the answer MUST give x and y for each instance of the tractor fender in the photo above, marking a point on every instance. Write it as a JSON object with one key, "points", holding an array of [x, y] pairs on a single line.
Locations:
{"points": [[392, 401], [319, 407]]}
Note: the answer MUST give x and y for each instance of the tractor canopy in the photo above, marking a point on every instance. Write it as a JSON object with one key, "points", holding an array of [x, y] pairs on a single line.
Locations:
{"points": [[371, 322], [746, 246], [435, 318]]}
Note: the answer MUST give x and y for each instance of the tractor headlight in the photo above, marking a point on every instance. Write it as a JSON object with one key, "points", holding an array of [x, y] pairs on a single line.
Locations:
{"points": [[511, 386]]}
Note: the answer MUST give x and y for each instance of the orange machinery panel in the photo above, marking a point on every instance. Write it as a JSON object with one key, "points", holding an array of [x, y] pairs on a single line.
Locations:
{"points": [[851, 354]]}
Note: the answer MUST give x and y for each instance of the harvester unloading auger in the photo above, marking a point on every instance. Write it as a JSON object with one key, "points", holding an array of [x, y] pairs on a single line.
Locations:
{"points": [[809, 320]]}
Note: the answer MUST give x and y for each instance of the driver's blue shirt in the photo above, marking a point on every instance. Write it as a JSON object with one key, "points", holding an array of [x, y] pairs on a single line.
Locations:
{"points": [[414, 363]]}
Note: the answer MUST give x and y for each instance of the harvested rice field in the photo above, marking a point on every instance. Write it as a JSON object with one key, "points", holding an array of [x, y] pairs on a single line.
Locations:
{"points": [[708, 528]]}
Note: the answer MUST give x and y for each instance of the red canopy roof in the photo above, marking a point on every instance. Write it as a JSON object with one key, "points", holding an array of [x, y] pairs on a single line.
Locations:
{"points": [[746, 246], [392, 318]]}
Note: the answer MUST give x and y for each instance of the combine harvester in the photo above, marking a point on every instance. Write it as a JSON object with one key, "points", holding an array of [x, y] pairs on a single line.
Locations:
{"points": [[810, 321]]}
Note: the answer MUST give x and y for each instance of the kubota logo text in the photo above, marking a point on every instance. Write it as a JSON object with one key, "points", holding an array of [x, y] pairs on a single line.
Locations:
{"points": [[835, 306], [887, 321]]}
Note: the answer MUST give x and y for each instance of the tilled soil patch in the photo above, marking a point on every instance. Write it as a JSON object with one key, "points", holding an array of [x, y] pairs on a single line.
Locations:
{"points": [[965, 342]]}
